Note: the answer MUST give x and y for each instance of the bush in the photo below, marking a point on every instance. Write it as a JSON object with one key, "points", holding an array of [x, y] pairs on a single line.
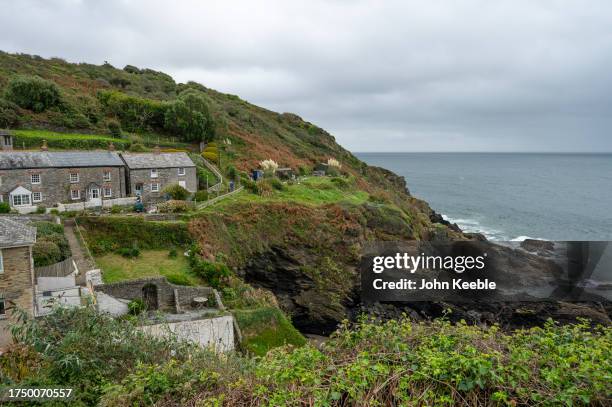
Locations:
{"points": [[137, 306], [173, 206], [178, 279], [172, 253], [137, 148], [340, 183], [114, 128], [232, 173], [277, 184], [115, 209], [33, 93], [65, 141], [201, 195], [135, 114], [5, 207], [45, 253], [8, 114], [177, 192], [40, 209], [213, 273], [251, 186], [211, 153], [129, 252]]}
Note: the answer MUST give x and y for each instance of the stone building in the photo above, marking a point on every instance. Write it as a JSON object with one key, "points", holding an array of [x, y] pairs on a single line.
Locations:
{"points": [[33, 178], [150, 173], [16, 271]]}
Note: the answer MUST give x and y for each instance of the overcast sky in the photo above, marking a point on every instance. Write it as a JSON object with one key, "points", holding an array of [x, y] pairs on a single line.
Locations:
{"points": [[380, 75]]}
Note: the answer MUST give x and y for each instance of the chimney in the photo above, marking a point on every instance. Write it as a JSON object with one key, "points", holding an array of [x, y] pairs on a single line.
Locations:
{"points": [[111, 146], [44, 146], [156, 150]]}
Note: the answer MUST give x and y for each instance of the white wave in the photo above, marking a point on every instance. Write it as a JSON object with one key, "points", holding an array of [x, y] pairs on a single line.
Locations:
{"points": [[474, 226], [523, 238]]}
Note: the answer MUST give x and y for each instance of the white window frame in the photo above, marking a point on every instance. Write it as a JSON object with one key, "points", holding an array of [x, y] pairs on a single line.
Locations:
{"points": [[156, 185], [21, 200], [181, 171], [32, 179], [110, 192], [105, 178], [78, 194], [154, 173], [40, 197], [76, 179]]}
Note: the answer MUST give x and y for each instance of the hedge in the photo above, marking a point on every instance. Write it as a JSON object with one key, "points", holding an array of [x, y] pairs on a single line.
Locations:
{"points": [[67, 141]]}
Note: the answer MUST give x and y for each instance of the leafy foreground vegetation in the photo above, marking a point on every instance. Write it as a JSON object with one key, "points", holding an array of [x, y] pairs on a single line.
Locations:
{"points": [[110, 362]]}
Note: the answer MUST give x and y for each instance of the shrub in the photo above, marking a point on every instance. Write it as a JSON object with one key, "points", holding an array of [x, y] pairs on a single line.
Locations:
{"points": [[172, 253], [46, 253], [8, 114], [135, 114], [65, 141], [114, 128], [212, 272], [178, 279], [115, 209], [33, 93], [277, 184], [137, 306], [201, 195], [137, 148], [129, 252], [340, 183], [269, 166], [5, 207], [251, 186], [232, 173], [174, 206], [176, 192], [41, 209], [211, 153]]}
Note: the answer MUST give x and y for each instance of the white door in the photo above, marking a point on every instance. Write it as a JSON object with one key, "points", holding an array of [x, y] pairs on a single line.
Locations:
{"points": [[94, 196]]}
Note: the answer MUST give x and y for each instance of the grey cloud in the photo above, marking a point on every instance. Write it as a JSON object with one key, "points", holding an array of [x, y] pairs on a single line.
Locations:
{"points": [[381, 76]]}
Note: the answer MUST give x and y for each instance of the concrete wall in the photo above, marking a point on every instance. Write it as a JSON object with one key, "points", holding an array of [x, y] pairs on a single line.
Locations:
{"points": [[165, 177], [217, 333], [55, 184], [130, 290], [16, 285]]}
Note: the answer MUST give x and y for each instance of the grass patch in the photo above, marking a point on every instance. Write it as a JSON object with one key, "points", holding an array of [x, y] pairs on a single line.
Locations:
{"points": [[266, 328], [34, 138], [150, 263], [311, 191]]}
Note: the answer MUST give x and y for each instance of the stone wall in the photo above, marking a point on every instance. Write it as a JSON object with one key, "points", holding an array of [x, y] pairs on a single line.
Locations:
{"points": [[55, 184], [165, 177], [16, 285], [216, 333], [131, 290]]}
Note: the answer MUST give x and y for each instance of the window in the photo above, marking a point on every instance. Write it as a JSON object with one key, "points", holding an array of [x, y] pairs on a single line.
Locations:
{"points": [[153, 172], [21, 200], [75, 194], [35, 178], [1, 263], [108, 192], [181, 171], [107, 175], [2, 308], [74, 177], [36, 196], [0, 179], [183, 184], [155, 187]]}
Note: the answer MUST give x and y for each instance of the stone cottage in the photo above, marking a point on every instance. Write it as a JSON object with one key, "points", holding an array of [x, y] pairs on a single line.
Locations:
{"points": [[33, 178], [150, 173], [16, 271]]}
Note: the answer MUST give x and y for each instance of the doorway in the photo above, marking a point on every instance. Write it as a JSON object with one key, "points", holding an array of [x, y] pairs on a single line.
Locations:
{"points": [[149, 296]]}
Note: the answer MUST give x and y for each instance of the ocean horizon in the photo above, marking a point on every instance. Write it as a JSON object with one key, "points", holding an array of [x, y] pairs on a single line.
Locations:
{"points": [[512, 196]]}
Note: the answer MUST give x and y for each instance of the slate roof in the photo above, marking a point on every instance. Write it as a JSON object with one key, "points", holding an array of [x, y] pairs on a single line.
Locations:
{"points": [[10, 160], [15, 232], [157, 160]]}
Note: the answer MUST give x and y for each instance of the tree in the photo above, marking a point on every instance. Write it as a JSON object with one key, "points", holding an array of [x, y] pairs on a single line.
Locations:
{"points": [[189, 117], [33, 93]]}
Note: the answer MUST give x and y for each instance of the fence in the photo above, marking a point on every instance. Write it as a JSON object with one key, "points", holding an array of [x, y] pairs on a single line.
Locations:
{"points": [[218, 198], [61, 269], [106, 203]]}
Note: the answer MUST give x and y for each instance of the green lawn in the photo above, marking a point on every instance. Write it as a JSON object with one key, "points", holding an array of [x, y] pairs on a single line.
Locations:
{"points": [[150, 263], [311, 191]]}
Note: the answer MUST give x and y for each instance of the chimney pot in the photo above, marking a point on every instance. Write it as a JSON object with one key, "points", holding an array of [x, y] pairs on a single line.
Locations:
{"points": [[157, 150], [111, 146], [44, 146]]}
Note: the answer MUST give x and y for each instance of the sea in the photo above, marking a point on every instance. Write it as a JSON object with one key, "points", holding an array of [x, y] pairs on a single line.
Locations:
{"points": [[512, 196]]}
